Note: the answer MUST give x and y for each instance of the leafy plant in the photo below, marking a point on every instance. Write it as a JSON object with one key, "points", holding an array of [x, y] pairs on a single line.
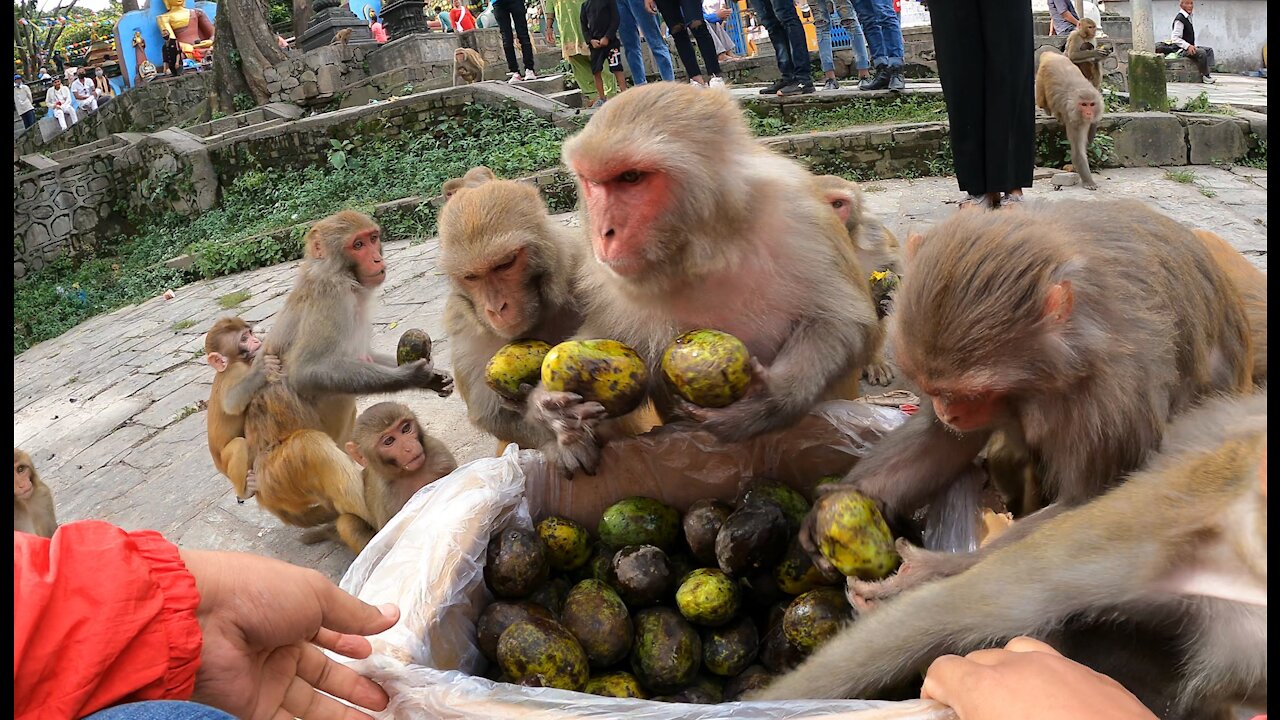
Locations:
{"points": [[243, 101], [1257, 155], [1198, 104], [339, 154], [232, 299], [1208, 192], [183, 325], [1185, 177], [856, 111]]}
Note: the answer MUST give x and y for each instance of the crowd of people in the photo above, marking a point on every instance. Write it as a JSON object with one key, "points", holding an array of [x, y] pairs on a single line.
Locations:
{"points": [[84, 90]]}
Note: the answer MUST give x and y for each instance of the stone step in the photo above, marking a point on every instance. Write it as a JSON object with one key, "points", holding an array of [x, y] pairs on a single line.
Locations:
{"points": [[572, 98], [546, 85]]}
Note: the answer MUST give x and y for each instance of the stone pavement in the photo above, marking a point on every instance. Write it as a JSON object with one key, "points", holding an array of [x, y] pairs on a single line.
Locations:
{"points": [[1237, 90], [109, 411]]}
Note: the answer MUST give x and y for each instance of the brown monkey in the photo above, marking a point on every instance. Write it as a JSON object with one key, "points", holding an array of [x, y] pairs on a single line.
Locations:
{"points": [[398, 456], [511, 273], [1252, 284], [342, 37], [475, 177], [1063, 92], [230, 348], [1078, 346], [694, 224], [876, 246], [1182, 544], [468, 66], [1081, 51], [32, 500], [322, 337]]}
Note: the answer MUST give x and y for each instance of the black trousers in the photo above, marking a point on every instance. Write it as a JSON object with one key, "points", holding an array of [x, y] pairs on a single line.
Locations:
{"points": [[509, 13], [1203, 59], [986, 61], [682, 14]]}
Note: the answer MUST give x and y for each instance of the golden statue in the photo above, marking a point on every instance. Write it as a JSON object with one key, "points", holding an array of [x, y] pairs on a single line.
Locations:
{"points": [[189, 26]]}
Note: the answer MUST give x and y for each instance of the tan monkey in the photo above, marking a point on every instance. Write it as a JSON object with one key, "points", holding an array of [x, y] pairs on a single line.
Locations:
{"points": [[231, 348], [1063, 92], [1011, 325], [32, 500], [468, 66], [1252, 284], [322, 337], [1081, 51], [398, 456], [342, 37], [876, 246], [693, 224], [1182, 544], [474, 177]]}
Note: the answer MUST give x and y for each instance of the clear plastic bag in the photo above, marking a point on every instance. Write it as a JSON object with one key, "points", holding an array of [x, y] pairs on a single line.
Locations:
{"points": [[429, 560], [952, 523]]}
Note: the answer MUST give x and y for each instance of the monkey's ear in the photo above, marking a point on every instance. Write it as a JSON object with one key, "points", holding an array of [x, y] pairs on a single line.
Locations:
{"points": [[217, 361], [1057, 306], [354, 451], [913, 244], [315, 248]]}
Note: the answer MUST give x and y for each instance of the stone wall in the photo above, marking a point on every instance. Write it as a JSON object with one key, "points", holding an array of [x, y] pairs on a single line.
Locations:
{"points": [[314, 77], [146, 108]]}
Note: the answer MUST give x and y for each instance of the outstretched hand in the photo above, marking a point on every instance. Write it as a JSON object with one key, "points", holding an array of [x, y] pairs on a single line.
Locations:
{"points": [[574, 421], [264, 623]]}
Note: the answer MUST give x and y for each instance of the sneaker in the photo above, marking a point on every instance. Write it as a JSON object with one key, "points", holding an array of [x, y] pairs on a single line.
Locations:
{"points": [[716, 82], [598, 103], [515, 78], [897, 78], [773, 87], [796, 89], [879, 81], [529, 74], [1207, 80], [696, 84], [831, 84]]}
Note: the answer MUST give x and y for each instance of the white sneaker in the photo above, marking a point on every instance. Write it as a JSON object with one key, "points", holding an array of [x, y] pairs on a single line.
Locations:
{"points": [[1207, 80], [716, 81], [696, 84], [530, 75], [515, 78]]}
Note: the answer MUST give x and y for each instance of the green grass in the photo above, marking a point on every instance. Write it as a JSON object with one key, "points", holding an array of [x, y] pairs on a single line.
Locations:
{"points": [[907, 109], [230, 300], [183, 325], [1208, 192], [1257, 155], [1186, 177]]}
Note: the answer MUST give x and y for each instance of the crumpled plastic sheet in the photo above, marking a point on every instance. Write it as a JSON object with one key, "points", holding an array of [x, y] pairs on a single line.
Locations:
{"points": [[429, 560], [951, 524]]}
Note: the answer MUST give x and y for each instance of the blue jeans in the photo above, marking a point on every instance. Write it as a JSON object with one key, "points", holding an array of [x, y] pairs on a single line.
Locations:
{"points": [[849, 21], [160, 710], [883, 29], [786, 32], [632, 17]]}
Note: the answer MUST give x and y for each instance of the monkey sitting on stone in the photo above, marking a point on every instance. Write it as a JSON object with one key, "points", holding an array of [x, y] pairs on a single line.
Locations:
{"points": [[342, 37], [468, 66], [1080, 50]]}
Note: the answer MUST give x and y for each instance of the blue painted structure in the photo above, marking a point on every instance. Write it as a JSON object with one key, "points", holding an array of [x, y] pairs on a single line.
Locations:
{"points": [[360, 8], [144, 20]]}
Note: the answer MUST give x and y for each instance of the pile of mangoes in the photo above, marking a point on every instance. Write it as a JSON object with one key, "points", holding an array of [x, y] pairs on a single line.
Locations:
{"points": [[701, 608]]}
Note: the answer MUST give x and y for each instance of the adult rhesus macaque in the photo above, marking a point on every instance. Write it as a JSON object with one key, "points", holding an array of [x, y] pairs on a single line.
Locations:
{"points": [[1182, 544], [1252, 284], [32, 500], [322, 337], [1081, 50], [511, 271], [468, 66], [475, 177], [1078, 345], [398, 458], [693, 224], [231, 348], [875, 244], [1063, 92]]}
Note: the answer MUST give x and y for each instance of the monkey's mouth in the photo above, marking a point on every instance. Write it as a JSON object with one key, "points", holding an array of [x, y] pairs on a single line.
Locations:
{"points": [[416, 463]]}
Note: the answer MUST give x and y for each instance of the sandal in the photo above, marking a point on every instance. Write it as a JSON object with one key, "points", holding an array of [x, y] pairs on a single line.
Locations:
{"points": [[979, 200], [1009, 200]]}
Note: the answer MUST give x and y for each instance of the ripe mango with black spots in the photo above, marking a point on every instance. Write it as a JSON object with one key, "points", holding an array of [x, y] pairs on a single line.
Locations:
{"points": [[542, 653], [708, 597], [515, 365], [814, 618], [640, 521], [852, 534], [568, 543], [603, 371], [414, 345], [617, 685], [708, 368]]}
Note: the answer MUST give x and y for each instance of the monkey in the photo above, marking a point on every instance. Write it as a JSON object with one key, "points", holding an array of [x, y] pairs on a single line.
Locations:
{"points": [[398, 457], [1081, 51], [1181, 544], [322, 337], [468, 66], [1079, 347], [32, 500], [1252, 285], [474, 177], [231, 347], [876, 246], [1063, 92], [693, 224], [342, 37], [511, 275]]}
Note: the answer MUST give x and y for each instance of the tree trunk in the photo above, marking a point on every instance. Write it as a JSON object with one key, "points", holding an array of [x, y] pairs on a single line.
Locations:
{"points": [[128, 5], [301, 16], [244, 47]]}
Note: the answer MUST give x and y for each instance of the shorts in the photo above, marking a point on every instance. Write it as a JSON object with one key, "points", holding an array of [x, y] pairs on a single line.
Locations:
{"points": [[610, 54]]}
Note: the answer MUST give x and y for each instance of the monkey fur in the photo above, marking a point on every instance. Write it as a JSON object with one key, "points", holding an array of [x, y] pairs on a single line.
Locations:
{"points": [[342, 37], [475, 177], [388, 487], [1065, 93], [236, 380], [1080, 50], [468, 66], [32, 500], [1252, 285]]}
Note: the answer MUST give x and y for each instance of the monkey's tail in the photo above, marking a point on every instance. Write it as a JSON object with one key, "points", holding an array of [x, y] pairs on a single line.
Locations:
{"points": [[310, 479]]}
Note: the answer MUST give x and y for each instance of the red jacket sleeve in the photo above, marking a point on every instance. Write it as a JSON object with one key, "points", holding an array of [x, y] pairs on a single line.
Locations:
{"points": [[100, 616]]}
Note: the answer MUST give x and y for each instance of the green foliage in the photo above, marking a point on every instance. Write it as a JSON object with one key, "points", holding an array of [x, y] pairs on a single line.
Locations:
{"points": [[280, 12], [232, 299], [183, 325], [1185, 177], [1198, 104], [943, 162], [243, 101], [564, 68], [261, 216], [1112, 101], [1208, 192], [1257, 155], [856, 111], [1054, 150], [339, 155]]}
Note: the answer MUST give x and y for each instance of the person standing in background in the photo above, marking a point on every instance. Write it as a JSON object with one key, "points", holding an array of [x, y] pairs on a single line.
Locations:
{"points": [[843, 9], [986, 61], [512, 23], [790, 47], [1063, 16], [634, 19], [883, 29], [22, 102], [460, 18], [567, 17]]}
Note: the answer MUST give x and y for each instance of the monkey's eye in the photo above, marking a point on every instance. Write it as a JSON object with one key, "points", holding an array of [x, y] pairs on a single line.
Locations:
{"points": [[388, 441], [837, 204], [471, 277], [630, 177], [506, 265], [22, 469], [357, 244], [406, 428]]}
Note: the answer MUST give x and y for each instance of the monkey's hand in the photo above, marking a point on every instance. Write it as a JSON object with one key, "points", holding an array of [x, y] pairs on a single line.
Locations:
{"points": [[757, 411], [273, 368], [919, 566], [574, 423], [420, 373], [442, 384], [878, 372]]}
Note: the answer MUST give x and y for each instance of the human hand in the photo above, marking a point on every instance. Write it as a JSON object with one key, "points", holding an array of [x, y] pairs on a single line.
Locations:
{"points": [[651, 6], [264, 623], [1191, 49], [1027, 679], [723, 13]]}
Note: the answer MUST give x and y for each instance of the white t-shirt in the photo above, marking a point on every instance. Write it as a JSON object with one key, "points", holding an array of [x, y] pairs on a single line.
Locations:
{"points": [[22, 99], [83, 89], [57, 96]]}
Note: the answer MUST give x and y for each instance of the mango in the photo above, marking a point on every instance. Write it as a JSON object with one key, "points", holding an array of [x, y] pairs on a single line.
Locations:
{"points": [[615, 684], [516, 364], [814, 618], [640, 521], [708, 597], [597, 617], [728, 651], [516, 563], [853, 536], [568, 543], [603, 371], [708, 368], [667, 650], [414, 345], [542, 653]]}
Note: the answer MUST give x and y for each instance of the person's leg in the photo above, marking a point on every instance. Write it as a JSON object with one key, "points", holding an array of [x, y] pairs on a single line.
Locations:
{"points": [[502, 13], [778, 37], [869, 19], [581, 67], [1009, 122], [793, 29], [1204, 58], [72, 117], [960, 48], [160, 710], [822, 24], [647, 22], [629, 36], [521, 23], [614, 80], [673, 16], [62, 118], [861, 56], [28, 119], [599, 81], [692, 10]]}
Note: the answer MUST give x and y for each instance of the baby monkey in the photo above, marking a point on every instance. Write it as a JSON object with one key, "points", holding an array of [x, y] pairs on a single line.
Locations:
{"points": [[231, 349]]}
